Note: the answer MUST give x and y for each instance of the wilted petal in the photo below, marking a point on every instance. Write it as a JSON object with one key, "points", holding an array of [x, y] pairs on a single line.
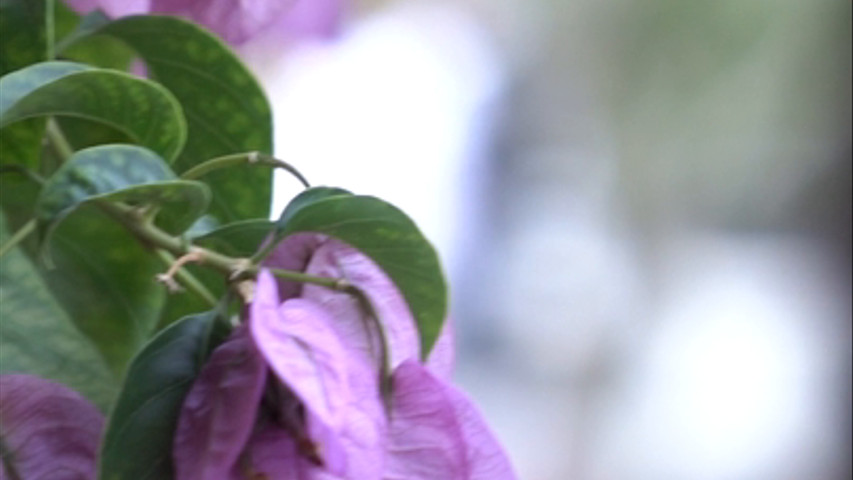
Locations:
{"points": [[240, 21], [113, 8], [235, 21], [303, 349], [50, 431], [219, 413], [425, 439], [310, 19]]}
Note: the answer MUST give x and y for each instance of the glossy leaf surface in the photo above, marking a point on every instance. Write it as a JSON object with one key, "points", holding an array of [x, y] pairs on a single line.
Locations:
{"points": [[226, 109], [139, 435], [123, 173], [38, 338], [143, 110], [392, 240], [238, 239]]}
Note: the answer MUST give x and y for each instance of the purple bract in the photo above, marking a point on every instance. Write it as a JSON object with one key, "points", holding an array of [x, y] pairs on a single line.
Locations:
{"points": [[319, 413]]}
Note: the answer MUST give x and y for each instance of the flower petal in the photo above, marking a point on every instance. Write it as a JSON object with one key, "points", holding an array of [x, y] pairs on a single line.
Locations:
{"points": [[303, 350], [49, 431], [338, 260], [235, 21], [443, 355], [293, 253], [426, 440], [486, 458], [219, 413], [113, 8]]}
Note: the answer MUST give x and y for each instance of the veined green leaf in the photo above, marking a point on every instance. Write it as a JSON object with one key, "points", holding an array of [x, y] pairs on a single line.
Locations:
{"points": [[390, 238], [138, 438], [143, 110], [38, 338], [123, 173], [238, 239], [226, 109], [22, 26], [22, 30]]}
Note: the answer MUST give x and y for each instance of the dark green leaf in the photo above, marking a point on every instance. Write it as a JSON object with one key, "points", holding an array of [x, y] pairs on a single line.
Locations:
{"points": [[20, 144], [137, 442], [103, 280], [238, 239], [123, 173], [139, 108], [38, 338], [23, 35], [22, 43], [389, 238], [308, 197], [225, 107]]}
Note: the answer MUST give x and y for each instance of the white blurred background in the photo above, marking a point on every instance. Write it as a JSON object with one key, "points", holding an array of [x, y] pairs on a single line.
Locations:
{"points": [[643, 207]]}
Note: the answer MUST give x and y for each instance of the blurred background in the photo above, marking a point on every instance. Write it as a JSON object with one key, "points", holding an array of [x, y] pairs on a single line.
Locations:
{"points": [[644, 209]]}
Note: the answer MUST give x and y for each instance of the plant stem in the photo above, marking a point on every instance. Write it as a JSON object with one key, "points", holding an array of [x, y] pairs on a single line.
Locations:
{"points": [[49, 33], [18, 236], [141, 226], [58, 140], [249, 158], [328, 282]]}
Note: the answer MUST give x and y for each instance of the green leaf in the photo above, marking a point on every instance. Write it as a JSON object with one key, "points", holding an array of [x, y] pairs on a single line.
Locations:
{"points": [[23, 34], [38, 338], [137, 441], [122, 173], [238, 239], [391, 239], [306, 198], [22, 43], [226, 109], [139, 108], [103, 280]]}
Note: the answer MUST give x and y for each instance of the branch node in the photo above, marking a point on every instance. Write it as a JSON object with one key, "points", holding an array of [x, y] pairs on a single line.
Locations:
{"points": [[241, 266]]}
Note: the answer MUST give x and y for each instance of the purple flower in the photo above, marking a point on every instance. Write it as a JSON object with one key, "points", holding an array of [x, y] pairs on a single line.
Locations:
{"points": [[48, 431], [295, 392], [236, 22]]}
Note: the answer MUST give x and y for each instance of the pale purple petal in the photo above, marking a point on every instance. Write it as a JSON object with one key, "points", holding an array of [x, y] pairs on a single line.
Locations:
{"points": [[338, 260], [113, 8], [234, 21], [219, 413], [442, 357], [310, 19], [50, 431], [293, 253], [486, 458], [425, 438], [303, 350], [238, 21], [272, 452]]}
